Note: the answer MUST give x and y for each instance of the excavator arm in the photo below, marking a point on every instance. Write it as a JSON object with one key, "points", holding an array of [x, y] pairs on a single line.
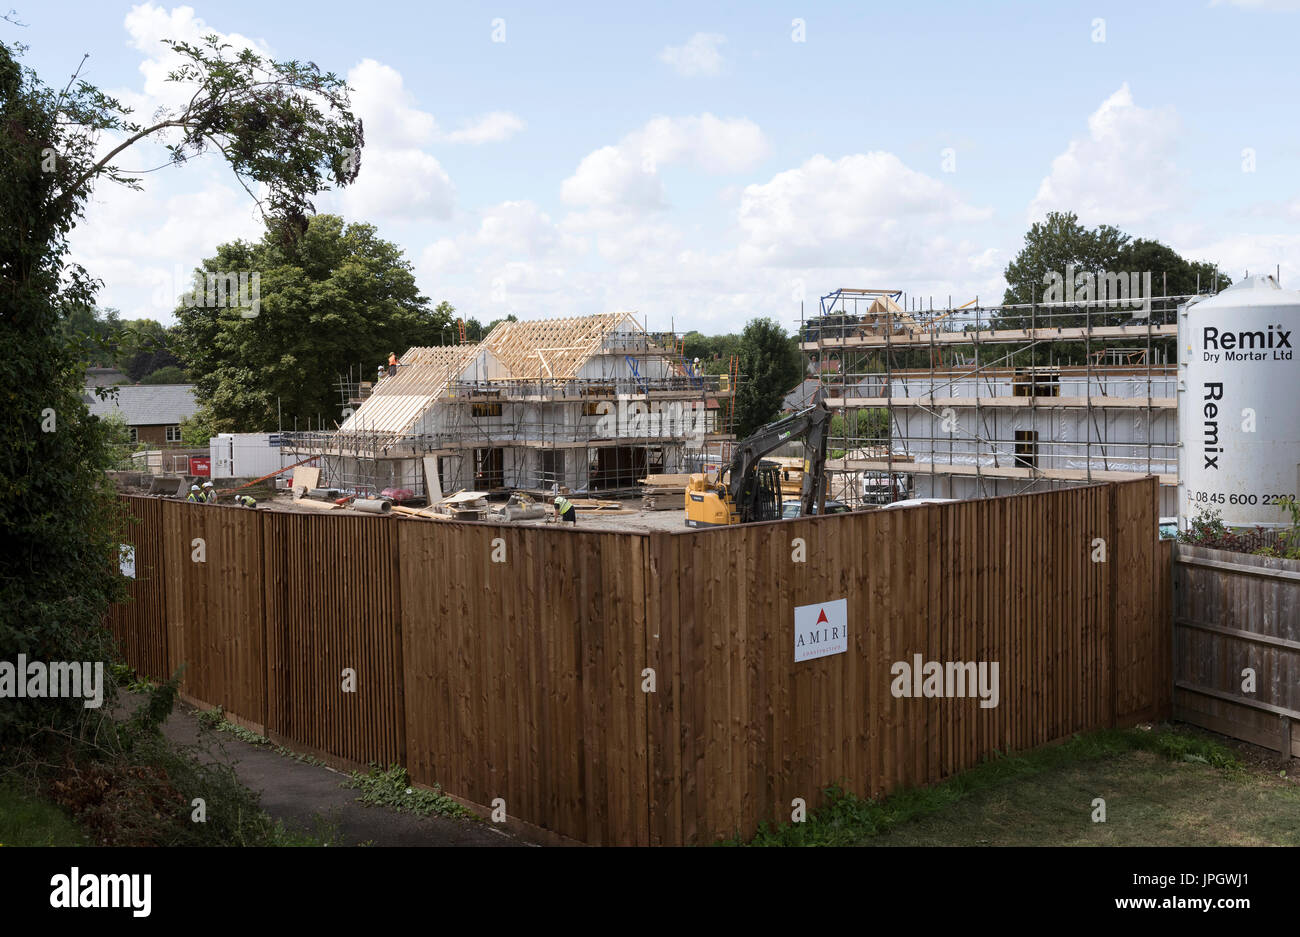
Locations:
{"points": [[812, 423]]}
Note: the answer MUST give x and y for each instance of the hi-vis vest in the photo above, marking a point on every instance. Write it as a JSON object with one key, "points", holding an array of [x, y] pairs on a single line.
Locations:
{"points": [[195, 497], [562, 505]]}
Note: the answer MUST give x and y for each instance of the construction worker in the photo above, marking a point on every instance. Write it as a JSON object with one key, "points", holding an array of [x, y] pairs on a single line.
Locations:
{"points": [[392, 364], [565, 511], [195, 496], [209, 493], [246, 501]]}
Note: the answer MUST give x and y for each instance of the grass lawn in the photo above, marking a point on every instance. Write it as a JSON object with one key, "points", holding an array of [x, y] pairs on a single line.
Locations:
{"points": [[1162, 787], [27, 821]]}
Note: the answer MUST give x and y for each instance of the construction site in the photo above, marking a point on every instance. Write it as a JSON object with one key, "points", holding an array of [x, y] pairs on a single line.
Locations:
{"points": [[975, 401], [591, 405], [950, 403]]}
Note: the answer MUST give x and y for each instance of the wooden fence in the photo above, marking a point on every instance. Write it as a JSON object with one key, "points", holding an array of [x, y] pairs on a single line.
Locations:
{"points": [[636, 688], [1236, 613]]}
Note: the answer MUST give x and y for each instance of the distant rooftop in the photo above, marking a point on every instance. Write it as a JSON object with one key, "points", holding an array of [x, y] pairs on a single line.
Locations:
{"points": [[148, 404], [103, 377]]}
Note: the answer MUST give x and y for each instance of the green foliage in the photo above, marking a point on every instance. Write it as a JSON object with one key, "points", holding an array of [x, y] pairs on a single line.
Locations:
{"points": [[94, 336], [117, 439], [144, 348], [168, 375], [846, 819], [55, 500], [392, 788], [336, 294], [286, 130], [215, 720], [770, 364], [1207, 529], [714, 351], [125, 677], [125, 784], [197, 430], [28, 820], [1060, 241], [1053, 243]]}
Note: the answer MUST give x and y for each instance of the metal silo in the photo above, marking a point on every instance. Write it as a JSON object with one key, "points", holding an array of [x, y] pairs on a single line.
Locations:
{"points": [[1239, 403]]}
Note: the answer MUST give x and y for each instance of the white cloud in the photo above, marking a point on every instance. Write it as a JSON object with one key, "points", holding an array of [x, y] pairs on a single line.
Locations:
{"points": [[626, 176], [1121, 173], [836, 212], [147, 25], [1258, 253], [490, 128], [145, 248], [398, 183], [700, 56], [399, 178], [387, 109], [380, 98]]}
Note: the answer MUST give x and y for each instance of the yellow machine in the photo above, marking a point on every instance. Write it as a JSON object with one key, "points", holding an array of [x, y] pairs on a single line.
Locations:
{"points": [[749, 489]]}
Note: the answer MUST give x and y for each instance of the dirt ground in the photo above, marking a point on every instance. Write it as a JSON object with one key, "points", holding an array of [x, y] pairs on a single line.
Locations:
{"points": [[628, 518]]}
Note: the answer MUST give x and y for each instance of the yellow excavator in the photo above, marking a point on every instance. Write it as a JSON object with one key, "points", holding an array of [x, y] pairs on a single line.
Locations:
{"points": [[749, 489]]}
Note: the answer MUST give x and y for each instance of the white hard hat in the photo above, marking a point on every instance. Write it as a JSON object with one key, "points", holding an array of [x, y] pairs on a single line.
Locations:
{"points": [[207, 484], [194, 487], [557, 499]]}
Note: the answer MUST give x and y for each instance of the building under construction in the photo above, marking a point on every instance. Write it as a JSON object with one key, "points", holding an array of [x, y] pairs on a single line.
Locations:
{"points": [[588, 404], [971, 401]]}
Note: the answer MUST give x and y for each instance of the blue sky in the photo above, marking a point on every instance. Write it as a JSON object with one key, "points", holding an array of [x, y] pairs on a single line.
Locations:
{"points": [[704, 163]]}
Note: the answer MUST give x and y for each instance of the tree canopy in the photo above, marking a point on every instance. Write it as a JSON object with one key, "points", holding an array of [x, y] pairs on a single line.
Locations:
{"points": [[770, 365], [286, 130], [336, 296]]}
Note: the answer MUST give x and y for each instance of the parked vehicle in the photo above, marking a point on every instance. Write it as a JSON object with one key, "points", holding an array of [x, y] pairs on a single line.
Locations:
{"points": [[791, 509]]}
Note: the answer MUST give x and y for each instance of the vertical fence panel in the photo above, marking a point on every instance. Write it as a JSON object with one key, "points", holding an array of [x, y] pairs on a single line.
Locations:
{"points": [[139, 625]]}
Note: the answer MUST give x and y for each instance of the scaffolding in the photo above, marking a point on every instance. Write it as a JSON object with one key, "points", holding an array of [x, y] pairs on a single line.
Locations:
{"points": [[639, 408], [976, 401]]}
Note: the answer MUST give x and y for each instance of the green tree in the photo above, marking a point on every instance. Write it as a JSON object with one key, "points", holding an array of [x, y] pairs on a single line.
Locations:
{"points": [[714, 351], [1053, 243], [770, 364], [286, 130], [1059, 242], [1171, 273], [196, 431], [143, 347], [91, 334], [487, 330], [168, 375], [337, 293]]}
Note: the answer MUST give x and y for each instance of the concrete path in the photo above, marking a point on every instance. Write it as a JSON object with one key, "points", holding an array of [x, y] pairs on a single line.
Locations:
{"points": [[298, 793]]}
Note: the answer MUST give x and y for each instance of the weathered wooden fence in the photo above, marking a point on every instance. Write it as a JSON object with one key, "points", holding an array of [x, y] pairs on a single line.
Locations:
{"points": [[642, 688], [1237, 645]]}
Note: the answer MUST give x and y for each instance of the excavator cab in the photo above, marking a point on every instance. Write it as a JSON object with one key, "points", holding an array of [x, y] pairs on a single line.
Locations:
{"points": [[760, 495]]}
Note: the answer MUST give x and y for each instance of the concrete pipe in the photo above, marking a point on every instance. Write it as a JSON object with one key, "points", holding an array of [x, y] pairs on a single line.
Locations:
{"points": [[373, 507], [526, 514]]}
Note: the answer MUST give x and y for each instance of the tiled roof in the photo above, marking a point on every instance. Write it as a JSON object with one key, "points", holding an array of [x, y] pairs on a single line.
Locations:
{"points": [[148, 404]]}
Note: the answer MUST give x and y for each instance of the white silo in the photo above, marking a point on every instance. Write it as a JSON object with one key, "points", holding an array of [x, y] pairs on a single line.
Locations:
{"points": [[1239, 403]]}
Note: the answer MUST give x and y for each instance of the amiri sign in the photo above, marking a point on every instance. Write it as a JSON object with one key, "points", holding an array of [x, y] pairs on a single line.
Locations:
{"points": [[821, 630]]}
